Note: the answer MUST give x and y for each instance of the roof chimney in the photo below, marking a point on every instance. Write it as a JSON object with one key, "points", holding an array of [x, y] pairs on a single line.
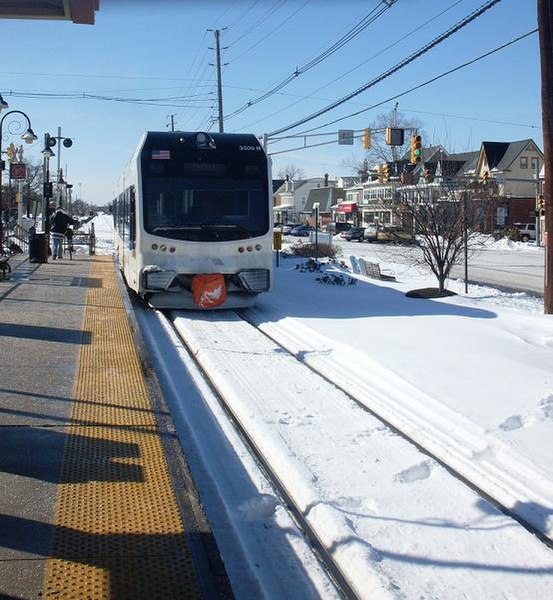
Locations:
{"points": [[326, 180]]}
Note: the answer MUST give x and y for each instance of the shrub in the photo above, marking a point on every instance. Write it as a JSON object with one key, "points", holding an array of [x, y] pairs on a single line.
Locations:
{"points": [[308, 250]]}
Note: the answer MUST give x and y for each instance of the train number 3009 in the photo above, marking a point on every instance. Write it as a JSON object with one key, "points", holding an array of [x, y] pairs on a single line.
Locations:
{"points": [[249, 147]]}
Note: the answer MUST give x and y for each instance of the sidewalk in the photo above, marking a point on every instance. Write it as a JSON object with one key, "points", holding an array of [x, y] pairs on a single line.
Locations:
{"points": [[87, 504]]}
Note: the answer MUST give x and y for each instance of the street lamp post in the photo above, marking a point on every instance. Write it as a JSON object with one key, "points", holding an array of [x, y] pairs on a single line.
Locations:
{"points": [[67, 143], [28, 137]]}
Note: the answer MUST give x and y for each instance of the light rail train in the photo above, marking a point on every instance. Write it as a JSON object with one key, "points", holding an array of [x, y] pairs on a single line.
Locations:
{"points": [[193, 219]]}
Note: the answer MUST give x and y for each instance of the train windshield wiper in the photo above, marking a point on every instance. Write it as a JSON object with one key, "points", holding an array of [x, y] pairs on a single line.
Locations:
{"points": [[175, 227]]}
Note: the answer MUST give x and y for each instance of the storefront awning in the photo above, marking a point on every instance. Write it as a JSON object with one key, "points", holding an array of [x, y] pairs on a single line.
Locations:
{"points": [[346, 207]]}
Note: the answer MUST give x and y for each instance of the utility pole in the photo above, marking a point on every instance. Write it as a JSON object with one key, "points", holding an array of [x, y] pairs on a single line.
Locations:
{"points": [[172, 117], [545, 25], [217, 33], [536, 204]]}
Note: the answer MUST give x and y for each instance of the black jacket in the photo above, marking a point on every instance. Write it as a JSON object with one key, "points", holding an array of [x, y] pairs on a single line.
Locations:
{"points": [[60, 221]]}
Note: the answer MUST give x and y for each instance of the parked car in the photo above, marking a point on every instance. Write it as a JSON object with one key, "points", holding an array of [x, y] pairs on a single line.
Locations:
{"points": [[355, 233], [527, 231], [338, 227], [370, 233], [388, 234], [302, 230], [286, 229]]}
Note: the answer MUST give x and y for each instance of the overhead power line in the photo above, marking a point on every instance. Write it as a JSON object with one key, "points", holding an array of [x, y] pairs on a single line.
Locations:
{"points": [[438, 40], [346, 73], [370, 18], [263, 18], [425, 83], [273, 30]]}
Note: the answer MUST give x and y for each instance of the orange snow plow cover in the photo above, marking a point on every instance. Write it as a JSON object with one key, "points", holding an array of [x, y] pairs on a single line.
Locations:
{"points": [[209, 290]]}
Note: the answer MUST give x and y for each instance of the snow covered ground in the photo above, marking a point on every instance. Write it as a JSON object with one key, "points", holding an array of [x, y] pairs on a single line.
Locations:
{"points": [[468, 377]]}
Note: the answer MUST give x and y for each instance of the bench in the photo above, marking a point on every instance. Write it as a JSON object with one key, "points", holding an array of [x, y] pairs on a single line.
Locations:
{"points": [[369, 269]]}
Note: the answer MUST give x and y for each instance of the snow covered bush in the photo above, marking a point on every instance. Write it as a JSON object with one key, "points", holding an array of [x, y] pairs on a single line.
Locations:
{"points": [[309, 250]]}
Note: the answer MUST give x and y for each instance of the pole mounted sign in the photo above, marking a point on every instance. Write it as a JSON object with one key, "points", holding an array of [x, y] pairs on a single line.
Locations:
{"points": [[18, 171], [345, 137]]}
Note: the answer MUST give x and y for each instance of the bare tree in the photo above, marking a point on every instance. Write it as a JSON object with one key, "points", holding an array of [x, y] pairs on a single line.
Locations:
{"points": [[445, 219], [293, 172]]}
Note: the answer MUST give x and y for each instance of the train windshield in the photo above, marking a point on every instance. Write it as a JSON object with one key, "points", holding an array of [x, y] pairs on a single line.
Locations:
{"points": [[205, 201]]}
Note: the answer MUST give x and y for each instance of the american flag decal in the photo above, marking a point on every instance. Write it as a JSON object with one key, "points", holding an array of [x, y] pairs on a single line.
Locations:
{"points": [[161, 154]]}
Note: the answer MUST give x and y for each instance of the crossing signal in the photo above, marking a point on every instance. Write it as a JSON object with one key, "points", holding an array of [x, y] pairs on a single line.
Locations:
{"points": [[367, 139], [415, 149]]}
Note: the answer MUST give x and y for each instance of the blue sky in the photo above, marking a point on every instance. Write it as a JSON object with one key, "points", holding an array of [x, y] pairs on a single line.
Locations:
{"points": [[159, 50]]}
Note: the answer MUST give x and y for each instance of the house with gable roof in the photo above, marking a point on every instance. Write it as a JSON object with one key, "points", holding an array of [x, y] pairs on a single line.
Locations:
{"points": [[513, 166], [290, 200]]}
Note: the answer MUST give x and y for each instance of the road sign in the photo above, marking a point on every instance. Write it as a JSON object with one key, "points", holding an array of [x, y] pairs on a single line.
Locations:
{"points": [[277, 240], [18, 171], [345, 137]]}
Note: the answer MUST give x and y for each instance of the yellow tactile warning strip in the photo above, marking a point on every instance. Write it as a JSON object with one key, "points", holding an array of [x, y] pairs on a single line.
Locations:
{"points": [[118, 531]]}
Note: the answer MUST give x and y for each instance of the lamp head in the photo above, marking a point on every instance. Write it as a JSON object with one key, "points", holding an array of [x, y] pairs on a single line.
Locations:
{"points": [[47, 153], [29, 136]]}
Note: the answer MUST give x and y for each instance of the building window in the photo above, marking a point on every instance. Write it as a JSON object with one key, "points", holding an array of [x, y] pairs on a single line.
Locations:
{"points": [[535, 162], [523, 162]]}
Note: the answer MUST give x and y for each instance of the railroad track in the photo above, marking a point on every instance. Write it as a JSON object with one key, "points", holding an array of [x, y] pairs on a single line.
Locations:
{"points": [[325, 558], [194, 338], [481, 491]]}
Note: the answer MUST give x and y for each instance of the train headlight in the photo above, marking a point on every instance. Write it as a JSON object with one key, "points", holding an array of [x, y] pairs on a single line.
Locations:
{"points": [[156, 279], [254, 280]]}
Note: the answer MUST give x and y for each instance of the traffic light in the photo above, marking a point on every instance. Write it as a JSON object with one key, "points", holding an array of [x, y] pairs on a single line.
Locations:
{"points": [[541, 204], [415, 149], [366, 139], [387, 172], [395, 136], [427, 175], [380, 173]]}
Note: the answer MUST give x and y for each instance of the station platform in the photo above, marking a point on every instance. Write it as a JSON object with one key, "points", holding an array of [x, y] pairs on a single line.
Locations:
{"points": [[95, 497]]}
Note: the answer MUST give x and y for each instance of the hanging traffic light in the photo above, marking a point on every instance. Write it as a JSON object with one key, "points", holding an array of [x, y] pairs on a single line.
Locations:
{"points": [[387, 172], [427, 174], [367, 139], [416, 149], [380, 173]]}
